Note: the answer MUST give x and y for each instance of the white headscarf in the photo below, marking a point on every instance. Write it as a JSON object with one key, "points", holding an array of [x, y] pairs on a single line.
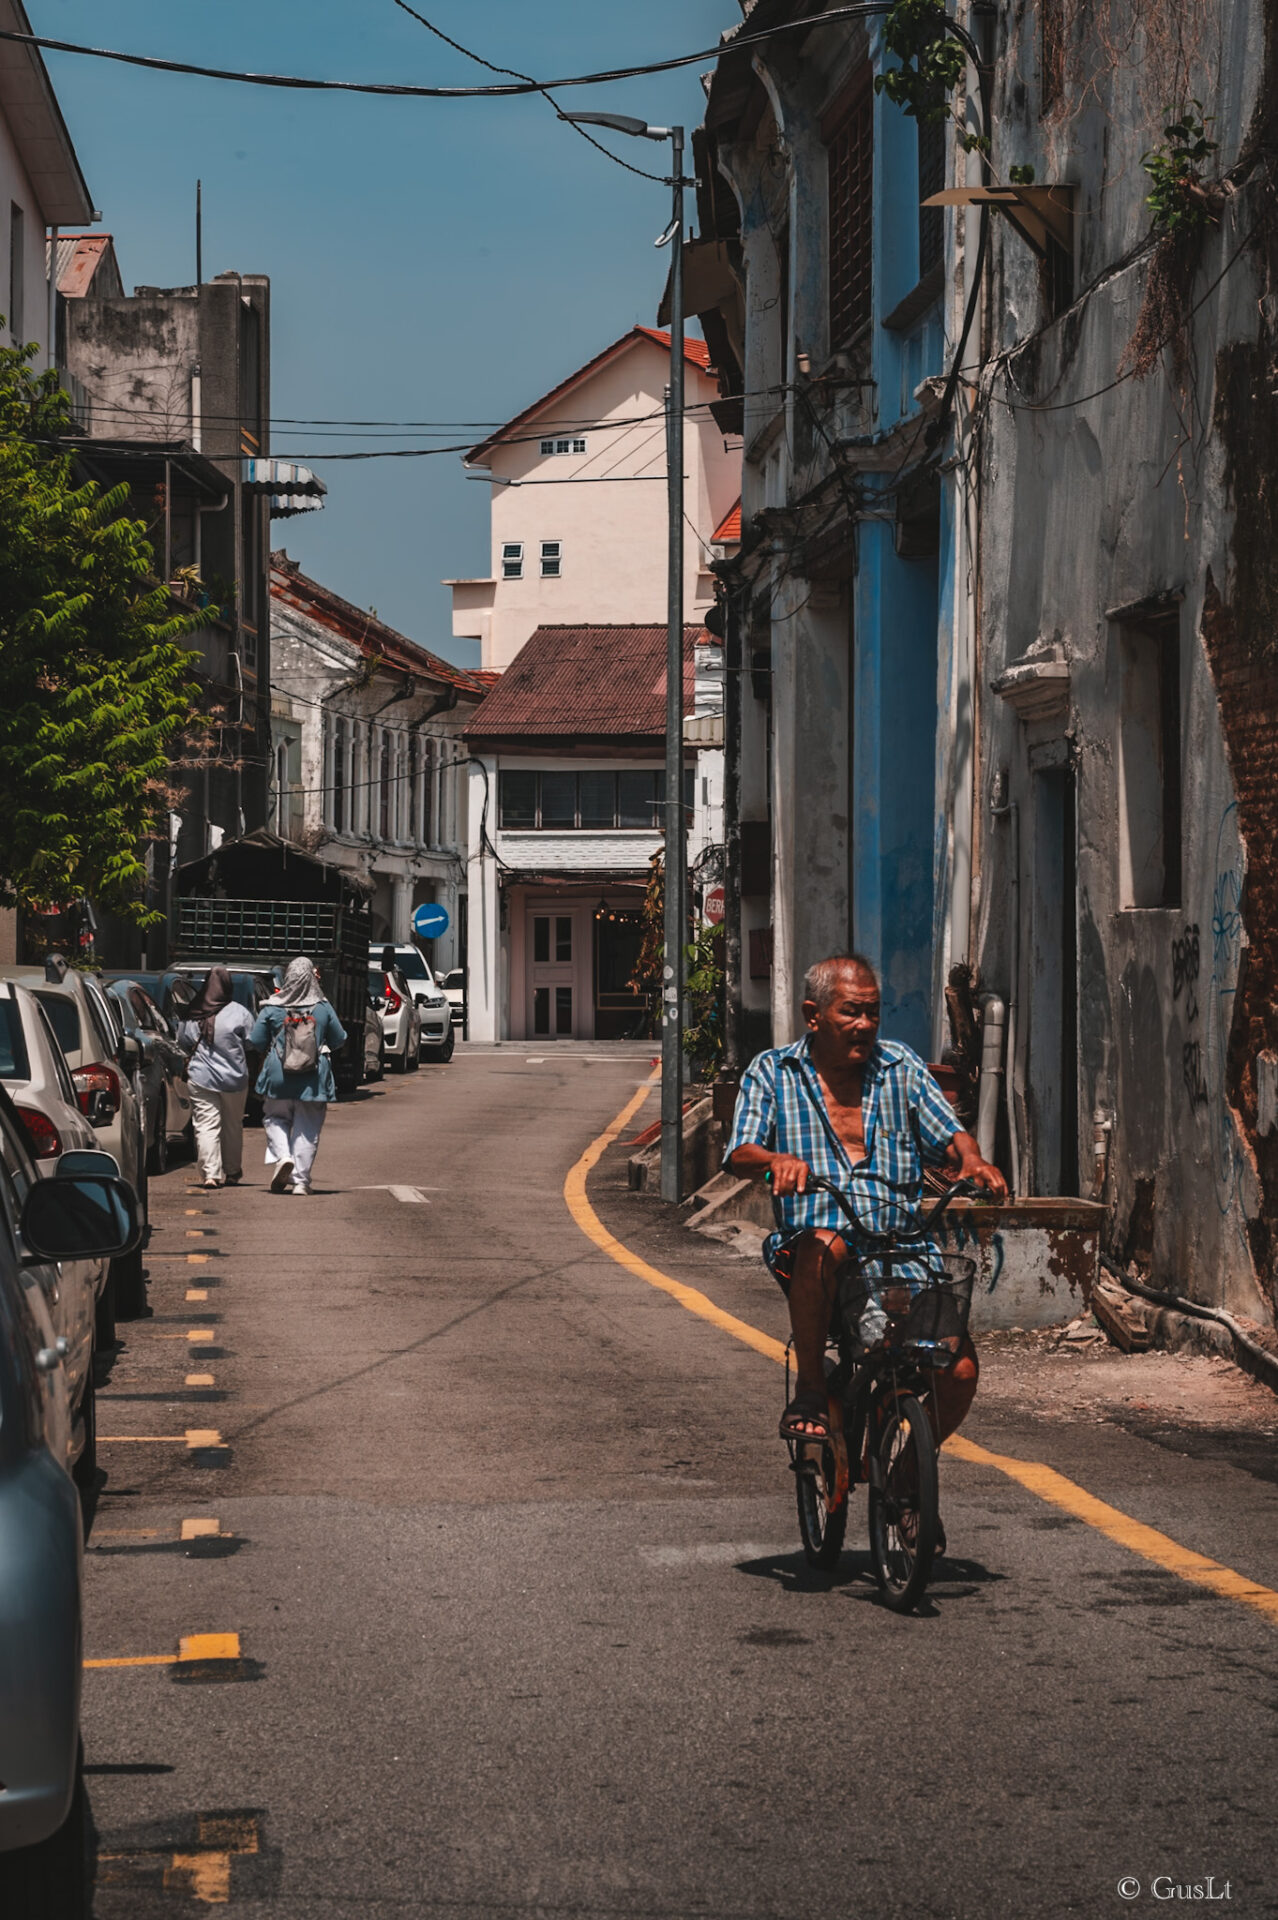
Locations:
{"points": [[300, 988]]}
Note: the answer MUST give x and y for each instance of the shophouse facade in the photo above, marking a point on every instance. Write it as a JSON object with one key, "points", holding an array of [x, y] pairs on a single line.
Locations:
{"points": [[368, 763]]}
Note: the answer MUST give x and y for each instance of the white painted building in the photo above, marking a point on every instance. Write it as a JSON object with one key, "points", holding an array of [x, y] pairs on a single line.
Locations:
{"points": [[368, 767], [579, 512]]}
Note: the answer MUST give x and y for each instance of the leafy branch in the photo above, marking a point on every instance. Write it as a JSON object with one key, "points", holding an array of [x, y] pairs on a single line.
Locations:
{"points": [[1181, 202], [932, 63]]}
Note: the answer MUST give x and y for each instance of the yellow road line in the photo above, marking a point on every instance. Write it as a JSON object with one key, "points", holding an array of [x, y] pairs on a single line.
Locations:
{"points": [[1043, 1481], [198, 1380], [142, 1439], [202, 1336], [197, 1293], [137, 1660], [193, 1646]]}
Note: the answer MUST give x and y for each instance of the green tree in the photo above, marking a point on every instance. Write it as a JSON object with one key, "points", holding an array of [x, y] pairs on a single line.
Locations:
{"points": [[96, 685]]}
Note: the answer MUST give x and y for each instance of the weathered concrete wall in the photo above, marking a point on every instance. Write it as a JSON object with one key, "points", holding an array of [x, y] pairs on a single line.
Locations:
{"points": [[1105, 492]]}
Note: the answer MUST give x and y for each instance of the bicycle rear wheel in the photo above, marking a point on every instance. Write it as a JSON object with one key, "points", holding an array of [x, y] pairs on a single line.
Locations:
{"points": [[822, 1528], [904, 1505]]}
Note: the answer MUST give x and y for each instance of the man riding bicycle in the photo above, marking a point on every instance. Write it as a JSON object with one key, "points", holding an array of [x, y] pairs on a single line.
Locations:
{"points": [[867, 1115]]}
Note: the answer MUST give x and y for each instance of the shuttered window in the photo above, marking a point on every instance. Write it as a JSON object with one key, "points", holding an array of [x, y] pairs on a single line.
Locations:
{"points": [[850, 155]]}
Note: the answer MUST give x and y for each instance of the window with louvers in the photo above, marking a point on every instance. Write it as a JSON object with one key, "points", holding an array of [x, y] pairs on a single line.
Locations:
{"points": [[850, 154], [931, 180]]}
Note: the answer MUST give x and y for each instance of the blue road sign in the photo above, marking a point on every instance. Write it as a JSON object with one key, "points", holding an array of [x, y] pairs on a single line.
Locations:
{"points": [[430, 921]]}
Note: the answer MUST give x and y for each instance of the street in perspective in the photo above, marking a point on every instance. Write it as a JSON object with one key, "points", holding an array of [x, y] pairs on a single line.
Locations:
{"points": [[638, 1132]]}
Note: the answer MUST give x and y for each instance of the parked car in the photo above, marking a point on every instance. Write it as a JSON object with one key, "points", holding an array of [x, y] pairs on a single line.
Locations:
{"points": [[453, 987], [49, 1124], [437, 1037], [46, 1842], [401, 1021], [165, 1092], [104, 1060], [374, 1041]]}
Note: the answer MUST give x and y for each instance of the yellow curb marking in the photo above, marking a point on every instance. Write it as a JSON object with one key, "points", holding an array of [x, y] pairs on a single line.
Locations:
{"points": [[202, 1336], [200, 1233], [203, 1437], [193, 1437], [199, 1380], [1043, 1481], [197, 1259], [194, 1646], [200, 1529], [205, 1873], [197, 1293]]}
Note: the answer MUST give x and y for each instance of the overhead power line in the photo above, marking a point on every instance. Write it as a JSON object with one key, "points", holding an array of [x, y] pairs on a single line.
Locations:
{"points": [[865, 9]]}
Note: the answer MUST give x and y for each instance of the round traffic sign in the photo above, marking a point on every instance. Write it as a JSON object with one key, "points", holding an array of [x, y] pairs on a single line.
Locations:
{"points": [[430, 920]]}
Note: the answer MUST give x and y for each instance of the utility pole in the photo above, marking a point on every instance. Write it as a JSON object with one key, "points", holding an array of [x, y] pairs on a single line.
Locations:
{"points": [[676, 853]]}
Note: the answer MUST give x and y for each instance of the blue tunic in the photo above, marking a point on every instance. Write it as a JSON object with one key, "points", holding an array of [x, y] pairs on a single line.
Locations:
{"points": [[272, 1082]]}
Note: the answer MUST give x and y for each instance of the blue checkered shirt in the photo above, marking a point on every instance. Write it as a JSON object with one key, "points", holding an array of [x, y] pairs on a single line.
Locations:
{"points": [[908, 1123]]}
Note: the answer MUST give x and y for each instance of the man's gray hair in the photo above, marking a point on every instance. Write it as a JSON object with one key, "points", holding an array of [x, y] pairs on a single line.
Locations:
{"points": [[821, 981]]}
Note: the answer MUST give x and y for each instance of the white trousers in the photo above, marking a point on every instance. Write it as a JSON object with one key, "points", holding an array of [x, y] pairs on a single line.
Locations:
{"points": [[219, 1131], [292, 1133]]}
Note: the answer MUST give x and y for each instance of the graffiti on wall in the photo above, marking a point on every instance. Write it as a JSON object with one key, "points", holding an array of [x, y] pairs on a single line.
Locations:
{"points": [[1226, 954], [1186, 956]]}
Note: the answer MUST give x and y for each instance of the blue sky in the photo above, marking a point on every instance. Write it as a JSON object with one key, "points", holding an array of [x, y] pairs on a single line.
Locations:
{"points": [[440, 261]]}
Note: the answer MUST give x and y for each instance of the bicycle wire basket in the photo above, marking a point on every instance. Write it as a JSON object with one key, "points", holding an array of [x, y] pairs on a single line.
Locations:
{"points": [[927, 1298]]}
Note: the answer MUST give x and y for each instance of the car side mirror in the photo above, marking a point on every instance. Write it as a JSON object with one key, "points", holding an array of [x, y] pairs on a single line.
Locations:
{"points": [[84, 1217], [77, 1162], [128, 1052]]}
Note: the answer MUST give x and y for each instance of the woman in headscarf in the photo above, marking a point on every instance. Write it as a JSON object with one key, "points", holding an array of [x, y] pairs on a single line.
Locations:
{"points": [[213, 1034], [296, 1032]]}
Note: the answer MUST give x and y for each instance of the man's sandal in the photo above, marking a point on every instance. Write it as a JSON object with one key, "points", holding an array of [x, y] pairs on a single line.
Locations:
{"points": [[808, 1410]]}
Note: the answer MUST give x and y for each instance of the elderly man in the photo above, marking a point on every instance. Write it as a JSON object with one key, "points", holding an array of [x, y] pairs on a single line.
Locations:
{"points": [[867, 1115]]}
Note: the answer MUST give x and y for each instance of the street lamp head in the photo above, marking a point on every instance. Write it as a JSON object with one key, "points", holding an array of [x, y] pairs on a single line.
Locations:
{"points": [[619, 123]]}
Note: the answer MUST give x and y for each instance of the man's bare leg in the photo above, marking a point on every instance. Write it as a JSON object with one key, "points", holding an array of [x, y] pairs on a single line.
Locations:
{"points": [[817, 1259]]}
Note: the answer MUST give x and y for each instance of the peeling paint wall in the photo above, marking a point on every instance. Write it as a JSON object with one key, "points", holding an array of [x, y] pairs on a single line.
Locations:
{"points": [[1107, 512]]}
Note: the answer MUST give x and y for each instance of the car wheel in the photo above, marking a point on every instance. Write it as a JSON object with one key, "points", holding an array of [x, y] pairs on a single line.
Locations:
{"points": [[157, 1161], [54, 1879], [129, 1276], [444, 1051], [104, 1315]]}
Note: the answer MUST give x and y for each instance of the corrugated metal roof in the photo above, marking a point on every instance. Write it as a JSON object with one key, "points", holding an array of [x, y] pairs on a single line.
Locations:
{"points": [[596, 683], [362, 629], [728, 531], [694, 351], [86, 261]]}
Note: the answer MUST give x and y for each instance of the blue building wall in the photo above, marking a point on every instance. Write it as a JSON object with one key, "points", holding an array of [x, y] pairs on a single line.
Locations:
{"points": [[896, 612]]}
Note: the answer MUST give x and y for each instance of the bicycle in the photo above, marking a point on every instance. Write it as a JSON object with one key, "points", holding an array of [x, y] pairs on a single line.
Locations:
{"points": [[893, 1334]]}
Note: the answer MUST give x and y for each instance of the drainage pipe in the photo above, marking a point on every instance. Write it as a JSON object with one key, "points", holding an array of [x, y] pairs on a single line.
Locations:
{"points": [[1009, 810], [1267, 1361], [993, 1022]]}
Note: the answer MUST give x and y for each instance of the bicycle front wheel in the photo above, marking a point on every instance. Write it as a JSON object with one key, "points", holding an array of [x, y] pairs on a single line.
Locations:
{"points": [[904, 1504], [821, 1526]]}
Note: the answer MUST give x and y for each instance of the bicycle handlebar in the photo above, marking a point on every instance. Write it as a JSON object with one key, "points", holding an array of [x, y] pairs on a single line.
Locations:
{"points": [[959, 1190]]}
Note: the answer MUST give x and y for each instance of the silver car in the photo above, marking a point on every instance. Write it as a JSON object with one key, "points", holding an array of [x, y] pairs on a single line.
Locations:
{"points": [[83, 1213], [77, 1294], [105, 1062]]}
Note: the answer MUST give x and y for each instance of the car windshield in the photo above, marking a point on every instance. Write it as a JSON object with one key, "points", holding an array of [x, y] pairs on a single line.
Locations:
{"points": [[456, 978], [411, 964], [65, 1017], [14, 1064], [377, 983]]}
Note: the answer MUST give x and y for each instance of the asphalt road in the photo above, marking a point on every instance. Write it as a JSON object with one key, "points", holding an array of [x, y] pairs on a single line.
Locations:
{"points": [[508, 1544]]}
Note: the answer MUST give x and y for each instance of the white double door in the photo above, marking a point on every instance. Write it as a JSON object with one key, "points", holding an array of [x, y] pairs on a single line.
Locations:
{"points": [[559, 972]]}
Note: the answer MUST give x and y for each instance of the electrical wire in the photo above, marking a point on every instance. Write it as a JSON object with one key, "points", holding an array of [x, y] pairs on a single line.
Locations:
{"points": [[479, 60], [863, 10]]}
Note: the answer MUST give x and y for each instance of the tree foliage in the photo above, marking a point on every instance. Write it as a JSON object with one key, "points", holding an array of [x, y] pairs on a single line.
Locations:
{"points": [[96, 682]]}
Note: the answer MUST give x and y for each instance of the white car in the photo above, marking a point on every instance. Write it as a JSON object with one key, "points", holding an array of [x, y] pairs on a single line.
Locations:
{"points": [[453, 987], [436, 1014], [401, 1020], [78, 1297], [105, 1068]]}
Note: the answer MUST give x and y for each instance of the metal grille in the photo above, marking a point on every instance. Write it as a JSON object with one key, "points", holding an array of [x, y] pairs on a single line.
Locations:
{"points": [[274, 928], [851, 163], [931, 180]]}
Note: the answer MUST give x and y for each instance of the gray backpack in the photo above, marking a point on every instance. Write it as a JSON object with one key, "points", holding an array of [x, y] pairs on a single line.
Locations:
{"points": [[299, 1043]]}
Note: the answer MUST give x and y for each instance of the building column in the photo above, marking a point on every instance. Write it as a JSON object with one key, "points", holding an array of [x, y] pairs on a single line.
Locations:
{"points": [[484, 957], [401, 910]]}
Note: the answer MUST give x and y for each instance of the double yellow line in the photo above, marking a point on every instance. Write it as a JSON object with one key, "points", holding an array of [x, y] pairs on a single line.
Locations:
{"points": [[1042, 1481]]}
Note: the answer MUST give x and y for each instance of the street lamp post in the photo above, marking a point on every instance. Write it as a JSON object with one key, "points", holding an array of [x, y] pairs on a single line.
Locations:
{"points": [[676, 852]]}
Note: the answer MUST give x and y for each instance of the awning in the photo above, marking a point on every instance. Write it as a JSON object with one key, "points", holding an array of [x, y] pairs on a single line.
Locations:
{"points": [[293, 489], [1039, 214]]}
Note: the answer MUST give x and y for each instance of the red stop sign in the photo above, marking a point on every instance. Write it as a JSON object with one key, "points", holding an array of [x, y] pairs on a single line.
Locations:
{"points": [[713, 906]]}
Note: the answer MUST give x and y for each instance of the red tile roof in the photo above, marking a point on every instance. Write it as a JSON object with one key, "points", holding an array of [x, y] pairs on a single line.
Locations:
{"points": [[728, 531], [586, 683], [694, 351], [293, 588]]}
